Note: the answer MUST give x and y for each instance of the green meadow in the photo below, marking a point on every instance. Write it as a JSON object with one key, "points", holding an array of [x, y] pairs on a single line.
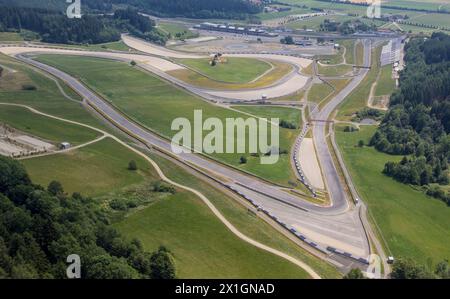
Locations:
{"points": [[232, 70], [49, 129], [412, 224], [155, 104]]}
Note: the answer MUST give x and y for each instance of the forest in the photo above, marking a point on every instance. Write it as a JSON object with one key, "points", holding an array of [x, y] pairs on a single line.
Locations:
{"points": [[202, 9], [40, 228], [229, 9], [347, 27], [55, 27], [417, 124]]}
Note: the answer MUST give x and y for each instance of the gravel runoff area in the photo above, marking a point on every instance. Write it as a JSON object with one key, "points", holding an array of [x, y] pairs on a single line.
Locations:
{"points": [[310, 164]]}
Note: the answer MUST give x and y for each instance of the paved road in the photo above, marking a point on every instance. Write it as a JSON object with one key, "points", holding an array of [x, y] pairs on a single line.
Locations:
{"points": [[334, 185], [333, 226]]}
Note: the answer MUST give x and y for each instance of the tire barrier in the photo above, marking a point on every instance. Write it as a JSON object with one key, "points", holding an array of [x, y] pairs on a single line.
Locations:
{"points": [[301, 176]]}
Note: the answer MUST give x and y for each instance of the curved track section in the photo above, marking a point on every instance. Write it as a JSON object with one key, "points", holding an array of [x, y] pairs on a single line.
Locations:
{"points": [[335, 227]]}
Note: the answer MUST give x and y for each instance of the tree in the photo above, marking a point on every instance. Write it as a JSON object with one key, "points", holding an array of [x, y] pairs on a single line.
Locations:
{"points": [[39, 229], [243, 160], [133, 63], [132, 165], [408, 269], [443, 270], [161, 265], [289, 40], [354, 274], [55, 188], [110, 267]]}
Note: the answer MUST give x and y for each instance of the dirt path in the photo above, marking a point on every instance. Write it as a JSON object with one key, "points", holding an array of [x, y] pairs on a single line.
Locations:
{"points": [[208, 203], [372, 94]]}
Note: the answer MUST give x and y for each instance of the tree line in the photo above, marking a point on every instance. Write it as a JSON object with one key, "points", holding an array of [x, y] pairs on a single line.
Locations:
{"points": [[442, 10], [347, 27], [405, 268], [418, 123], [40, 228], [202, 9], [55, 27]]}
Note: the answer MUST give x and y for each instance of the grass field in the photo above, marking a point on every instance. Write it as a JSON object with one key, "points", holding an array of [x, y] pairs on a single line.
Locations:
{"points": [[338, 58], [319, 92], [349, 50], [244, 220], [315, 22], [49, 129], [277, 15], [358, 98], [290, 115], [92, 170], [332, 71], [46, 98], [412, 224], [156, 104], [385, 84], [420, 4], [338, 85], [117, 46], [197, 79], [176, 31], [435, 19], [10, 37], [359, 53], [233, 70], [201, 245]]}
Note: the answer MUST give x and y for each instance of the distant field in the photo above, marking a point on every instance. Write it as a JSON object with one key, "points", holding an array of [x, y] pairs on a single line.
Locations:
{"points": [[419, 4], [10, 37], [176, 31], [277, 15], [49, 129], [412, 224], [360, 11], [234, 70], [432, 19], [314, 22], [156, 104], [118, 46]]}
